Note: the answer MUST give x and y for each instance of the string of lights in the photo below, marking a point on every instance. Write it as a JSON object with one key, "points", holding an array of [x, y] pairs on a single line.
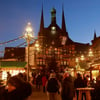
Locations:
{"points": [[21, 44], [1, 52], [24, 43], [2, 43]]}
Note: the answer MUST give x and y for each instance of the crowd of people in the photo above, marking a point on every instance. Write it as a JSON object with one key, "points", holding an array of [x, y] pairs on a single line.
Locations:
{"points": [[66, 85], [17, 87]]}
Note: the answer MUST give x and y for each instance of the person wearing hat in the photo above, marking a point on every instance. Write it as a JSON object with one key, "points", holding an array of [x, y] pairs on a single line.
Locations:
{"points": [[17, 89]]}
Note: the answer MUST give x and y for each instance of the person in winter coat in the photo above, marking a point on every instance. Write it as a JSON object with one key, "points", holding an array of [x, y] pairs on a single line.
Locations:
{"points": [[52, 87], [67, 92], [38, 81], [78, 83], [44, 80], [17, 89]]}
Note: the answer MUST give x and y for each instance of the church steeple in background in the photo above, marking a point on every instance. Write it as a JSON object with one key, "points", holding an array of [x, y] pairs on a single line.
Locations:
{"points": [[95, 35], [53, 16], [63, 20], [42, 21]]}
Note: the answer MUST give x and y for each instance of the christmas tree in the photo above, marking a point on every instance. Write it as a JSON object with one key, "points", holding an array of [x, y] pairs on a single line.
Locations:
{"points": [[52, 64]]}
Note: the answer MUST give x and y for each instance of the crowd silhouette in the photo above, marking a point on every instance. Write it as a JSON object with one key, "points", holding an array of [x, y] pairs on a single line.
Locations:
{"points": [[63, 84]]}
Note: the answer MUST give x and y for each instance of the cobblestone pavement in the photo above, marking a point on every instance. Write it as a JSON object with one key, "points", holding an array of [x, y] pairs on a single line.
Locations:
{"points": [[39, 95]]}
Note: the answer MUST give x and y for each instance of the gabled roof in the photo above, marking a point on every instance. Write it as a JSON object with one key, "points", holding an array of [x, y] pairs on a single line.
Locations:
{"points": [[42, 21], [63, 21], [59, 34]]}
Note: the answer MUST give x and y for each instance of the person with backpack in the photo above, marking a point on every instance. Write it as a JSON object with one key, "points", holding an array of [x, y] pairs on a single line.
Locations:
{"points": [[52, 87]]}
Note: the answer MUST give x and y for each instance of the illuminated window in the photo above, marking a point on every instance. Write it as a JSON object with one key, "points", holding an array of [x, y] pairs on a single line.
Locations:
{"points": [[53, 30], [41, 63], [4, 75], [61, 62], [65, 62], [38, 62]]}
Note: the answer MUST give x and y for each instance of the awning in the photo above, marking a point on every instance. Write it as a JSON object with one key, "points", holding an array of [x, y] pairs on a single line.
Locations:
{"points": [[12, 64]]}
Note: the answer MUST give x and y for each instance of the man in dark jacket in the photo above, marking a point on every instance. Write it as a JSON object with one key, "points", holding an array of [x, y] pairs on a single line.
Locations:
{"points": [[67, 92], [78, 83], [52, 87]]}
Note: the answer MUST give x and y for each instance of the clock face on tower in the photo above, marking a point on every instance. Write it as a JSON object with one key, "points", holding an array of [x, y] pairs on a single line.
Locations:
{"points": [[53, 30]]}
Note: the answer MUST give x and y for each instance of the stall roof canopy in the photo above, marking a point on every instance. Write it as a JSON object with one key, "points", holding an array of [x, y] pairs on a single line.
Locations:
{"points": [[12, 64]]}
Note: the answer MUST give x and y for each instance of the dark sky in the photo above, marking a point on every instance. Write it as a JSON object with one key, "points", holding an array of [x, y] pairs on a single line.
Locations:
{"points": [[82, 17]]}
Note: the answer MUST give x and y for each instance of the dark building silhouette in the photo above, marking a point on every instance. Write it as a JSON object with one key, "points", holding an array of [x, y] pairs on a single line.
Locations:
{"points": [[55, 42], [96, 51], [55, 45], [17, 53]]}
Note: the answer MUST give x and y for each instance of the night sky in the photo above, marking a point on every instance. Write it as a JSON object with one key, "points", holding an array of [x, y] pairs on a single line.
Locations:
{"points": [[82, 18]]}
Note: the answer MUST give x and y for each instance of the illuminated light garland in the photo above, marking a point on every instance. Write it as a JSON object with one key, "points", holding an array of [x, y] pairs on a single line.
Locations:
{"points": [[11, 40], [20, 57], [21, 44], [1, 52], [12, 48], [18, 45]]}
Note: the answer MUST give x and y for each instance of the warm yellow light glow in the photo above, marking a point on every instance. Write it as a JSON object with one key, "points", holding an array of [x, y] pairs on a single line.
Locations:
{"points": [[38, 49], [12, 72], [37, 44], [28, 35], [95, 73], [77, 60], [90, 53], [4, 75], [28, 31], [53, 28], [82, 57]]}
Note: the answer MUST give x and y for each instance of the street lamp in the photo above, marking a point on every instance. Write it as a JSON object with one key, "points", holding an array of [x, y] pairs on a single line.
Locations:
{"points": [[28, 35]]}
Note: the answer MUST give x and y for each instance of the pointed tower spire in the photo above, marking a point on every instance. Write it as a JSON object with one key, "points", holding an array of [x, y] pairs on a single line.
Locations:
{"points": [[95, 35], [63, 21], [42, 20], [53, 16]]}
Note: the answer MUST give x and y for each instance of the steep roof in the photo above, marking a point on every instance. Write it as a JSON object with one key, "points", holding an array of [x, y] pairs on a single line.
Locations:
{"points": [[41, 22], [63, 21], [54, 34]]}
